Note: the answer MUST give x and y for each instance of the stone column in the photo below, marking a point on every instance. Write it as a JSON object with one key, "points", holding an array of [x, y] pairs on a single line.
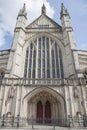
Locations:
{"points": [[34, 105], [84, 94], [17, 110], [33, 110], [54, 109], [36, 75], [43, 112], [32, 57], [58, 112], [67, 99], [81, 108], [4, 100], [21, 100], [45, 58], [1, 97], [72, 100]]}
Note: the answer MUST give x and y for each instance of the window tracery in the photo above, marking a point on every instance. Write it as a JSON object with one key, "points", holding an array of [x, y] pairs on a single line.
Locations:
{"points": [[44, 60]]}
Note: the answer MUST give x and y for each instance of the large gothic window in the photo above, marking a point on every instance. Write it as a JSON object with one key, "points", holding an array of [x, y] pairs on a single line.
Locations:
{"points": [[43, 59]]}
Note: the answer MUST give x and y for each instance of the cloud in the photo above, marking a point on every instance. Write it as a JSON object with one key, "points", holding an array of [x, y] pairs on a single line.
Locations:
{"points": [[9, 10], [84, 6], [83, 9], [2, 39], [82, 46]]}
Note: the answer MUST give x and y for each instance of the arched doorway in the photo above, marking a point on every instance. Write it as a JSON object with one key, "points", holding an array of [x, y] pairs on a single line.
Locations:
{"points": [[45, 103], [39, 112], [47, 112]]}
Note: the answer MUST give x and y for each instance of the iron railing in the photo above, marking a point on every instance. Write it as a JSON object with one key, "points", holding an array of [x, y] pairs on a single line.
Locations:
{"points": [[23, 122]]}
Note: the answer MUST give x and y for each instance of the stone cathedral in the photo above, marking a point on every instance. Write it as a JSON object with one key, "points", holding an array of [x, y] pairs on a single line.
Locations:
{"points": [[43, 75]]}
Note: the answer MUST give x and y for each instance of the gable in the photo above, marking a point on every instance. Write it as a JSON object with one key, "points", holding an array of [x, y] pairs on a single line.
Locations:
{"points": [[43, 22]]}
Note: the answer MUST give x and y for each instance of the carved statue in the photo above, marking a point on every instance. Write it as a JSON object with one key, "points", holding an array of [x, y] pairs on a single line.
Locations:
{"points": [[9, 99], [75, 92], [11, 92]]}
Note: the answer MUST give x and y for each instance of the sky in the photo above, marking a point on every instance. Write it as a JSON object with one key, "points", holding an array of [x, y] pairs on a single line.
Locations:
{"points": [[9, 10]]}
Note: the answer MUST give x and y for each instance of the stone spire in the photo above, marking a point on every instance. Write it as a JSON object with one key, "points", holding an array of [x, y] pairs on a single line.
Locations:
{"points": [[43, 9], [63, 10], [22, 11]]}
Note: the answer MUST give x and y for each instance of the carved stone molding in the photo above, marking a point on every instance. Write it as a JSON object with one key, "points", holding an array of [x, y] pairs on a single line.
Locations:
{"points": [[41, 82], [43, 96]]}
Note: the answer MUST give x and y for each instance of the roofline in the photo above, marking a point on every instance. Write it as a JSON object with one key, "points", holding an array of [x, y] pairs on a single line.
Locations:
{"points": [[5, 50], [48, 18], [81, 50]]}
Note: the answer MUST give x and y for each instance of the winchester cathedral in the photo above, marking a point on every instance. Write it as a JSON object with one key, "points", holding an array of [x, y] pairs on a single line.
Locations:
{"points": [[43, 75]]}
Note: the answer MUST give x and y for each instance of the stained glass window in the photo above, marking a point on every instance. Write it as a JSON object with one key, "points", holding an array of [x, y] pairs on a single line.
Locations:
{"points": [[44, 59]]}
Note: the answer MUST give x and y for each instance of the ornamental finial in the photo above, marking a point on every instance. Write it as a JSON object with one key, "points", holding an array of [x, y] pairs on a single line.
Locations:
{"points": [[43, 9]]}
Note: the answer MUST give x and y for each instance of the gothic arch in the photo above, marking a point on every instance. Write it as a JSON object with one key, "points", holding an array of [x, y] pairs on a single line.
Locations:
{"points": [[49, 35], [44, 46], [39, 89], [57, 97]]}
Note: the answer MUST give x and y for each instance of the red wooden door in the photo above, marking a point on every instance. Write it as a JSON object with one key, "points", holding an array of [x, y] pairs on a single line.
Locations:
{"points": [[39, 112], [47, 112]]}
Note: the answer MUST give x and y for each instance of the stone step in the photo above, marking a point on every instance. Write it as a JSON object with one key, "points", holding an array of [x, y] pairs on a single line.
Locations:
{"points": [[36, 127]]}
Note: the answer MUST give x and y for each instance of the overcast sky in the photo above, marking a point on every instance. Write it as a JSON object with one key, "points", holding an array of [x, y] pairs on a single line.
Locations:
{"points": [[10, 8]]}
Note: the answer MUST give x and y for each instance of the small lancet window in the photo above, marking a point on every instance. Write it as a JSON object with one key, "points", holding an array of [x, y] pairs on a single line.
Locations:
{"points": [[1, 76], [85, 74], [43, 26]]}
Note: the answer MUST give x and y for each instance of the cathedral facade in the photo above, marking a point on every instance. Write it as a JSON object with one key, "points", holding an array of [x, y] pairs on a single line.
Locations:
{"points": [[43, 75]]}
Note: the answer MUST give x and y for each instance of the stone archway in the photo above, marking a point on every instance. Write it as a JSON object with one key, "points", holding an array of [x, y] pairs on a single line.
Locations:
{"points": [[51, 103]]}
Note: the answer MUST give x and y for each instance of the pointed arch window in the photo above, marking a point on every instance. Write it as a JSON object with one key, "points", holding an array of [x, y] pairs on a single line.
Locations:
{"points": [[43, 59], [2, 73], [30, 62]]}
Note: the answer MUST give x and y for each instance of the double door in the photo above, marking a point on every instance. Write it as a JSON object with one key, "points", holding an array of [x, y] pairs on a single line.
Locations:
{"points": [[43, 112]]}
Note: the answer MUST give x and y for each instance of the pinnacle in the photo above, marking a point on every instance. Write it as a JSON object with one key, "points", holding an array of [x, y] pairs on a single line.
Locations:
{"points": [[23, 11], [63, 10], [43, 9]]}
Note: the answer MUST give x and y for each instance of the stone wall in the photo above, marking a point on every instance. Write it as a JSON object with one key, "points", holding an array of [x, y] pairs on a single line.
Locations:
{"points": [[4, 55], [82, 56], [15, 93]]}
